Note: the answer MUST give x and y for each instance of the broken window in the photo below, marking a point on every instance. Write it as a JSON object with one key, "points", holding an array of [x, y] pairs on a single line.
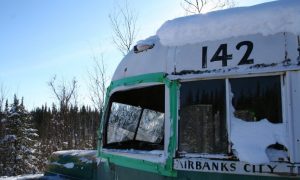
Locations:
{"points": [[123, 119], [151, 126], [136, 119], [257, 98], [256, 124], [202, 117]]}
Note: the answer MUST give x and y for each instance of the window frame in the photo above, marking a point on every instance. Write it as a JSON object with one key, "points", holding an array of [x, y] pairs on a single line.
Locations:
{"points": [[162, 165], [284, 87], [106, 119], [125, 152], [202, 155]]}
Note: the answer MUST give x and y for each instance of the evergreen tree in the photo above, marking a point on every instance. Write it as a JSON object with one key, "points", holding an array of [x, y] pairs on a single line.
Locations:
{"points": [[6, 106], [19, 147], [2, 134]]}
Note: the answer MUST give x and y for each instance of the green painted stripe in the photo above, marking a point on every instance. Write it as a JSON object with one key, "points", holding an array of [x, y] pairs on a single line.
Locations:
{"points": [[145, 78], [173, 87], [137, 164]]}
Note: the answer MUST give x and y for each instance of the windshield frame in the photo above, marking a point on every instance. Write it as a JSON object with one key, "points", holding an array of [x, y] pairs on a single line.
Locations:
{"points": [[133, 141], [162, 163]]}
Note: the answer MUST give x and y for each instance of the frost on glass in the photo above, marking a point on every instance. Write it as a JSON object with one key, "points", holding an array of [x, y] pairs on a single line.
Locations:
{"points": [[202, 117], [135, 119], [123, 121], [151, 126]]}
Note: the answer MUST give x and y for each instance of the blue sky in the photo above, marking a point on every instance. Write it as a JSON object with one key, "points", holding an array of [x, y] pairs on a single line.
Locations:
{"points": [[43, 38]]}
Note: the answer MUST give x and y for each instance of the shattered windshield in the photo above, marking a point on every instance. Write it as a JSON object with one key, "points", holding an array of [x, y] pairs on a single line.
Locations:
{"points": [[123, 122], [136, 119]]}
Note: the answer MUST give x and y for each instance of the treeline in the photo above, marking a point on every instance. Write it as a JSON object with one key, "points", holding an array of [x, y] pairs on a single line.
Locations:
{"points": [[71, 128], [27, 139]]}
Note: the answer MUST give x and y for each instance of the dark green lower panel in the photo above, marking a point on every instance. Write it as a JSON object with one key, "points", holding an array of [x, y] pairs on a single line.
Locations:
{"points": [[220, 176], [72, 167], [111, 171]]}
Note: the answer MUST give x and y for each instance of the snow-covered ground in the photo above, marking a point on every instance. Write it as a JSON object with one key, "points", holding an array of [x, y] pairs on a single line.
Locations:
{"points": [[83, 155], [31, 176], [23, 177]]}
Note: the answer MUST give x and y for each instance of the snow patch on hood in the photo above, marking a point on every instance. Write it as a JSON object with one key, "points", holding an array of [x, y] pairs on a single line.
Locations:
{"points": [[77, 153], [66, 165], [69, 165]]}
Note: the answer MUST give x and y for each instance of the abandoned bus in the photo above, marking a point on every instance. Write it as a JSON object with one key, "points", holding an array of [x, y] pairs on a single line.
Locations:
{"points": [[212, 96], [221, 106]]}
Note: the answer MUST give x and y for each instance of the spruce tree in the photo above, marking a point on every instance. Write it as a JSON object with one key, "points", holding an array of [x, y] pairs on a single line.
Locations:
{"points": [[19, 147]]}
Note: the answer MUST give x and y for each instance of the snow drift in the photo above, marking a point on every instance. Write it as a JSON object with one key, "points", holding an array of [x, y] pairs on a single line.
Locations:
{"points": [[251, 139], [267, 19]]}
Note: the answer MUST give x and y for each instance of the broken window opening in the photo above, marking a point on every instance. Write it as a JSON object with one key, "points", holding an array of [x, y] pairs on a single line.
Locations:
{"points": [[257, 98], [257, 119], [136, 119]]}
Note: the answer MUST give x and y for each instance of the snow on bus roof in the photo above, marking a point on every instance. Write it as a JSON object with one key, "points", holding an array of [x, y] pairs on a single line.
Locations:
{"points": [[177, 45], [267, 19]]}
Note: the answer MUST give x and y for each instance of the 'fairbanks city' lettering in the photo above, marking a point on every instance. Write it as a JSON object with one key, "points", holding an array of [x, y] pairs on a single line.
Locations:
{"points": [[208, 166], [235, 167]]}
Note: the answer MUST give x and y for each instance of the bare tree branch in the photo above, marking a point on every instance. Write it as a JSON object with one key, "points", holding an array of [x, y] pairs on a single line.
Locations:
{"points": [[98, 80], [64, 92], [123, 23], [200, 6]]}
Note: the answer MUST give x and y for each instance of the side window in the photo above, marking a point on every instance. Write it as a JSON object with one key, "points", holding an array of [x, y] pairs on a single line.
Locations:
{"points": [[257, 98], [257, 129], [136, 119], [202, 124]]}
